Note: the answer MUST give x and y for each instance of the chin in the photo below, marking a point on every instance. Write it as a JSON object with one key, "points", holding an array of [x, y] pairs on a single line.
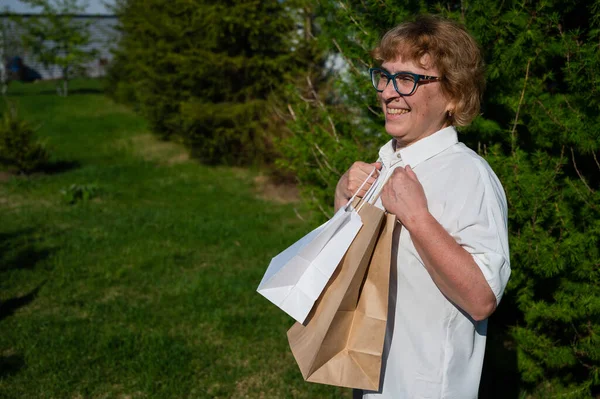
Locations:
{"points": [[395, 131]]}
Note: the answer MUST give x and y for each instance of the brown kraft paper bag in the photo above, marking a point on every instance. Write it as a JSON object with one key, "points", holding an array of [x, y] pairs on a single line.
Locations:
{"points": [[342, 341]]}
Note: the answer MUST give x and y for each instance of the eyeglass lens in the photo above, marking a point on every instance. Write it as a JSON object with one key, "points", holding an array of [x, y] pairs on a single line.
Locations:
{"points": [[405, 83]]}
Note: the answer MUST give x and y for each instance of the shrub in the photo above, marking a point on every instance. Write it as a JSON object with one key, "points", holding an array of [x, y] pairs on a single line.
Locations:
{"points": [[18, 147], [540, 131]]}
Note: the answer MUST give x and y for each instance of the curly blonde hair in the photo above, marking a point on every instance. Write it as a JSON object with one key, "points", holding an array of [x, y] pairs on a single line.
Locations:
{"points": [[451, 49]]}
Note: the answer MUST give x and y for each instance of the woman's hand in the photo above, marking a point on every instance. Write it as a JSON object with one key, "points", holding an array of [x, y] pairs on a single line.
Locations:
{"points": [[450, 266], [353, 179], [403, 196]]}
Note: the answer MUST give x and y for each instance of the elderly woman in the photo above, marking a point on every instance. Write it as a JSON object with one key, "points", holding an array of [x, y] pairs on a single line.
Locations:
{"points": [[450, 254]]}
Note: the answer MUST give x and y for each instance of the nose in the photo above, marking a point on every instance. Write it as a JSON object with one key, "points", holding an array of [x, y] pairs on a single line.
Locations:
{"points": [[389, 92]]}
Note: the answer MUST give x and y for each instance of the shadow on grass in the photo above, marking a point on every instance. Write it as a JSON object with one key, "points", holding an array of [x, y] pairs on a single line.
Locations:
{"points": [[18, 250], [48, 168], [80, 91], [57, 167], [11, 364], [75, 91], [8, 307]]}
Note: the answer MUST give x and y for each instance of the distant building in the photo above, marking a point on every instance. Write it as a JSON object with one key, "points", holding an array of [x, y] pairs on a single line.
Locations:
{"points": [[103, 35]]}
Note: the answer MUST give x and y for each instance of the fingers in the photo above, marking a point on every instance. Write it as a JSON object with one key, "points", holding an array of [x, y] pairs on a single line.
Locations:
{"points": [[411, 172], [397, 175], [353, 179], [400, 181], [365, 169], [404, 172], [359, 173]]}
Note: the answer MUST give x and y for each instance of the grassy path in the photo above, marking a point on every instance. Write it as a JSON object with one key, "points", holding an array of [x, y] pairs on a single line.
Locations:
{"points": [[148, 289]]}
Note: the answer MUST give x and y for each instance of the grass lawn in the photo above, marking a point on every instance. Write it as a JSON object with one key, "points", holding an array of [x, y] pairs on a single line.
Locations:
{"points": [[146, 290]]}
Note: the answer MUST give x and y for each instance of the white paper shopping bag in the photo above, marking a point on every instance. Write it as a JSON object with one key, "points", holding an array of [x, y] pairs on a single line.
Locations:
{"points": [[296, 277]]}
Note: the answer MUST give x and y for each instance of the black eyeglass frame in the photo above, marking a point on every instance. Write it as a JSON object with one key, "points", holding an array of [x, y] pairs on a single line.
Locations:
{"points": [[418, 79]]}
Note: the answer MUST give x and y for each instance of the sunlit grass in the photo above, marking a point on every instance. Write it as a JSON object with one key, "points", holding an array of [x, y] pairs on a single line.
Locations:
{"points": [[148, 288]]}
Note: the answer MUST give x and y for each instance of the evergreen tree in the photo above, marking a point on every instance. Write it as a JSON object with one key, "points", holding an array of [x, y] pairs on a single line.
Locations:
{"points": [[540, 131], [203, 71]]}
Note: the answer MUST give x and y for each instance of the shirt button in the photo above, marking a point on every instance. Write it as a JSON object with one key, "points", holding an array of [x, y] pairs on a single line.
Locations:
{"points": [[398, 155]]}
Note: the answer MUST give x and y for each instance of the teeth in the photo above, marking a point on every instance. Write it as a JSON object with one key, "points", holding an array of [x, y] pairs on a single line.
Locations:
{"points": [[396, 111]]}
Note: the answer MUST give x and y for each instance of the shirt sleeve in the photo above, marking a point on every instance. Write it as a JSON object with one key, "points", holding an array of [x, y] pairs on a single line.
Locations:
{"points": [[475, 215]]}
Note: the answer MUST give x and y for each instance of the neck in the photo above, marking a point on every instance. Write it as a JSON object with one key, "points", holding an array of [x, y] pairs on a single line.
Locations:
{"points": [[400, 144]]}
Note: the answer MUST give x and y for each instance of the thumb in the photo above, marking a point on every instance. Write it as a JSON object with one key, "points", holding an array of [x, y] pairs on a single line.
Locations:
{"points": [[411, 172], [377, 165]]}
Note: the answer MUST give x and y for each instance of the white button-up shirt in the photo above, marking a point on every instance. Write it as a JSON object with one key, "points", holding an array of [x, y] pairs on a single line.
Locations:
{"points": [[433, 349]]}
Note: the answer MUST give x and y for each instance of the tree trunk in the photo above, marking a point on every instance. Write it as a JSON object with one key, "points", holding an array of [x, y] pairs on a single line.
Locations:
{"points": [[64, 90]]}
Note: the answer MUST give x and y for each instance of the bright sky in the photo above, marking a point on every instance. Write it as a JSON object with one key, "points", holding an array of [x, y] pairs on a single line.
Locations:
{"points": [[94, 6]]}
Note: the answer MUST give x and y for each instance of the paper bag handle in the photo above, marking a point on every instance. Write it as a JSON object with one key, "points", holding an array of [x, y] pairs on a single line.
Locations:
{"points": [[360, 188], [375, 197], [370, 197]]}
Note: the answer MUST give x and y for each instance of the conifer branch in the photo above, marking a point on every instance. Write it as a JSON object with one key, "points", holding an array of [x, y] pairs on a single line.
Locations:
{"points": [[277, 110], [322, 106], [306, 100], [347, 59], [558, 213], [579, 174], [375, 112], [352, 19], [562, 220], [320, 166], [312, 193], [581, 196], [560, 161], [350, 64], [333, 128], [289, 106], [552, 118], [570, 393], [596, 159], [534, 217], [573, 109], [298, 215], [325, 159], [514, 128]]}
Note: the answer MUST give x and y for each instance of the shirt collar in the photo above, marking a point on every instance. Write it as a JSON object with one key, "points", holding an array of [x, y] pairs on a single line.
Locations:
{"points": [[421, 150]]}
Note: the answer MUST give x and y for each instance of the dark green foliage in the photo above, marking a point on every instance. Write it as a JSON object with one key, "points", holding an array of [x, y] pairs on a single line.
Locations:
{"points": [[202, 72], [19, 148], [540, 131]]}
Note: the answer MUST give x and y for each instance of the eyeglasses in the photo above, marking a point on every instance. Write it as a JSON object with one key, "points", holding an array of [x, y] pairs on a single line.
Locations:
{"points": [[405, 83]]}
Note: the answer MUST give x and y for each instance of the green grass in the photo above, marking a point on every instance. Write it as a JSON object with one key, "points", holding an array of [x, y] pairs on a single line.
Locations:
{"points": [[146, 290]]}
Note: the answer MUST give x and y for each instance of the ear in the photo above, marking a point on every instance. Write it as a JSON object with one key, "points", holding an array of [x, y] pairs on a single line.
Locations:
{"points": [[451, 107], [451, 110]]}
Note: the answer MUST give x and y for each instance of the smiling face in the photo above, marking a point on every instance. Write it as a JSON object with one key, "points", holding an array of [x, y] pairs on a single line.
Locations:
{"points": [[411, 118]]}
